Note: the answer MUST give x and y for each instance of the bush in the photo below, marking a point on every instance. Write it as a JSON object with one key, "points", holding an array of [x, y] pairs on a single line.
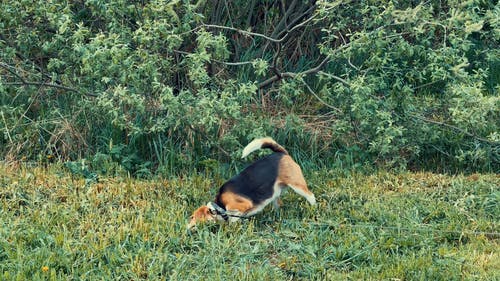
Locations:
{"points": [[370, 83]]}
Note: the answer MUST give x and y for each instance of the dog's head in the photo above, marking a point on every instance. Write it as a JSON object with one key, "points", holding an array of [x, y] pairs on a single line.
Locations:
{"points": [[202, 214]]}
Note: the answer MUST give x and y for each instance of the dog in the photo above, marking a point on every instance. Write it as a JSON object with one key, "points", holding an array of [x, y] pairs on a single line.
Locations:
{"points": [[258, 185]]}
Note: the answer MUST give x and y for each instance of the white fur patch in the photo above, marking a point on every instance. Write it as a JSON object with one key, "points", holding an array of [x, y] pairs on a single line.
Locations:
{"points": [[211, 206], [309, 197], [276, 193], [255, 145], [234, 215]]}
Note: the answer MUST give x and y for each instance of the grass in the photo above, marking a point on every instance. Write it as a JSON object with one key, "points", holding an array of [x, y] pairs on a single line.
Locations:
{"points": [[385, 226]]}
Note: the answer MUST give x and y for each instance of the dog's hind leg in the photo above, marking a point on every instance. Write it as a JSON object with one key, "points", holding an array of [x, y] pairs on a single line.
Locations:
{"points": [[291, 175], [303, 191]]}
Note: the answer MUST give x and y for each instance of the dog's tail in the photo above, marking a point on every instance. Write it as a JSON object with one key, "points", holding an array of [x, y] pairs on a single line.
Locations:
{"points": [[262, 143]]}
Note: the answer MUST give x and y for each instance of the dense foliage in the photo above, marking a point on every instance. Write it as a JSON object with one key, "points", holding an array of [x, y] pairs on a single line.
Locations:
{"points": [[147, 85]]}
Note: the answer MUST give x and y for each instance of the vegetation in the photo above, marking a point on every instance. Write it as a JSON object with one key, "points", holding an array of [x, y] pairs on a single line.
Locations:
{"points": [[118, 118], [406, 226], [161, 86]]}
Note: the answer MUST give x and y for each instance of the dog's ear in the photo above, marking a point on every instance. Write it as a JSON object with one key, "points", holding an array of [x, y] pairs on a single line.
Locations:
{"points": [[201, 214]]}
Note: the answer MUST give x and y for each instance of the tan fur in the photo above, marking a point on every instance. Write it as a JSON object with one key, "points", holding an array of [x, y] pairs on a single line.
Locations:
{"points": [[290, 174], [201, 214], [235, 202]]}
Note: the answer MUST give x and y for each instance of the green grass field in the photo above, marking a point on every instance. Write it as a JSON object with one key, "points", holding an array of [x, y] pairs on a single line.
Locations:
{"points": [[408, 226]]}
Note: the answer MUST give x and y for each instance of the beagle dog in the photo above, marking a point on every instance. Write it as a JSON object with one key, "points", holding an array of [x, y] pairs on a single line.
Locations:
{"points": [[255, 187]]}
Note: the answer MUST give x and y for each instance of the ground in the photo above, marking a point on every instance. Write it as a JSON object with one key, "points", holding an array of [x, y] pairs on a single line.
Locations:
{"points": [[381, 226]]}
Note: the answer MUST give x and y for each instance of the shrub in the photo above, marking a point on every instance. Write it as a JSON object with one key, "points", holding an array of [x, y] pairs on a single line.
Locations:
{"points": [[377, 83]]}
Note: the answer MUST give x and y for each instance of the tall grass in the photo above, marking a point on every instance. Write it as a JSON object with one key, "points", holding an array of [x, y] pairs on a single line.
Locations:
{"points": [[384, 226]]}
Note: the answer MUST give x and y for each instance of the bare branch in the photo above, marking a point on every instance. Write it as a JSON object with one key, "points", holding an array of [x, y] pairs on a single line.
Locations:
{"points": [[274, 65], [12, 70], [455, 128], [228, 13], [269, 38], [217, 61], [275, 78], [313, 70], [320, 99], [294, 24], [250, 14], [42, 84], [343, 81], [244, 32], [317, 68], [283, 20], [23, 82]]}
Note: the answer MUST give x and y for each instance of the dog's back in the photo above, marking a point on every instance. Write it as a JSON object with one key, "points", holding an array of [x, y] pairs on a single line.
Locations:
{"points": [[256, 181]]}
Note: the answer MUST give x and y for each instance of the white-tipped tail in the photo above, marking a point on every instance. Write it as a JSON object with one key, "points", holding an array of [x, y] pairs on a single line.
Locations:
{"points": [[260, 143], [252, 146]]}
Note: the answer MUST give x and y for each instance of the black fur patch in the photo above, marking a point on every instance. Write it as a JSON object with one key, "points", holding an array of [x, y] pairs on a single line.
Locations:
{"points": [[256, 181]]}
